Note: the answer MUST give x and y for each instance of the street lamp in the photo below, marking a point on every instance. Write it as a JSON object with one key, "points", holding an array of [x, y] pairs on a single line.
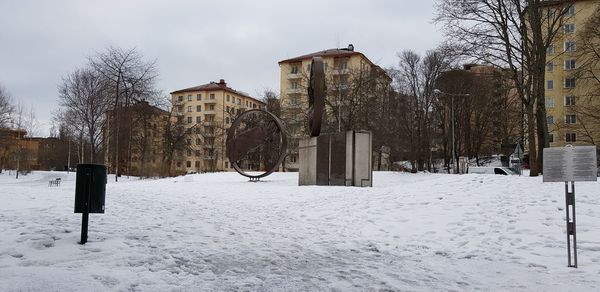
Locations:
{"points": [[452, 95]]}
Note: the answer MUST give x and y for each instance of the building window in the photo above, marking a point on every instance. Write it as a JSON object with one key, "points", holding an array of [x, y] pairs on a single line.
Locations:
{"points": [[550, 138], [189, 120], [239, 101], [226, 164], [180, 108], [178, 164], [570, 82], [569, 100], [294, 69], [227, 120], [197, 153], [189, 153], [550, 66], [198, 108], [549, 102], [190, 97], [570, 119], [189, 108], [188, 163], [198, 96], [571, 137], [570, 28], [293, 84], [550, 84], [570, 46], [198, 142], [199, 119], [570, 10], [228, 97], [197, 164], [569, 64], [212, 96], [550, 50], [180, 98], [211, 107], [344, 65], [550, 120]]}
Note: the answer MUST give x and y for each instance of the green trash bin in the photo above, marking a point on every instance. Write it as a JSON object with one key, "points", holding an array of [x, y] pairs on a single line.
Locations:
{"points": [[90, 185]]}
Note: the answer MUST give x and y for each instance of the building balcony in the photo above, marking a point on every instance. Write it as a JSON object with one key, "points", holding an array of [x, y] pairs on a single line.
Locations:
{"points": [[294, 76], [295, 90], [340, 71], [209, 123], [294, 105]]}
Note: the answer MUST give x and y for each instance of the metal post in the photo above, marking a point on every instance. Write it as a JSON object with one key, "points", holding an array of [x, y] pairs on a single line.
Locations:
{"points": [[86, 212], [571, 226], [453, 151]]}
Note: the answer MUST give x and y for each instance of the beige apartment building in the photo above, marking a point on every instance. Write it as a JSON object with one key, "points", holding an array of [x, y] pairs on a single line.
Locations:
{"points": [[565, 94], [341, 64], [207, 111]]}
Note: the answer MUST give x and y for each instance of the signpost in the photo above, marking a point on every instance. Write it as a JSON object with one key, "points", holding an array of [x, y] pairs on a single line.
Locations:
{"points": [[570, 164]]}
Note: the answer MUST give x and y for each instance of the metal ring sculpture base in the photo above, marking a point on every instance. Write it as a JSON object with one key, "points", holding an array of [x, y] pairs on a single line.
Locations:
{"points": [[240, 143]]}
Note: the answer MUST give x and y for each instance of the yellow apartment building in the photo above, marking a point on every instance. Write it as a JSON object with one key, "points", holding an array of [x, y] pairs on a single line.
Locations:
{"points": [[341, 64], [207, 111], [565, 94]]}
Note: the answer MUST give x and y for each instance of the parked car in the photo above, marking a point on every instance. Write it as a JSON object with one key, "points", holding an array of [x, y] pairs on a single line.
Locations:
{"points": [[491, 170]]}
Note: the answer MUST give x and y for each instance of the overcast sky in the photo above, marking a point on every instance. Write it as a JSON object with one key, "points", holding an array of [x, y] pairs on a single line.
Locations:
{"points": [[195, 42]]}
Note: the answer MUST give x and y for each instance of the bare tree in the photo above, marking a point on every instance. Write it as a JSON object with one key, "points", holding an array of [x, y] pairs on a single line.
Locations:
{"points": [[82, 95], [127, 77], [6, 115], [6, 108], [175, 140], [513, 34], [416, 79]]}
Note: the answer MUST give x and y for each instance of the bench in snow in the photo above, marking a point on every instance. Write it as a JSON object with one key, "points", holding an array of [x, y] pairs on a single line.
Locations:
{"points": [[54, 182]]}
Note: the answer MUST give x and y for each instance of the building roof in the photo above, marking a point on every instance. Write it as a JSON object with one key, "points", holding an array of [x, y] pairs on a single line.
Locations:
{"points": [[214, 86], [334, 53]]}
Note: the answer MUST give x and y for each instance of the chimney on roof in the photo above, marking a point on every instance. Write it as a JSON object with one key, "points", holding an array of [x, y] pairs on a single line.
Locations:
{"points": [[222, 82], [351, 47]]}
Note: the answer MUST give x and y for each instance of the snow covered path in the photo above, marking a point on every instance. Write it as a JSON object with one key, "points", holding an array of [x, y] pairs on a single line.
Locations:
{"points": [[410, 232]]}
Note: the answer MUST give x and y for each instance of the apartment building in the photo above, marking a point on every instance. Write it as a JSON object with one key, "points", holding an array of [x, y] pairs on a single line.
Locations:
{"points": [[565, 94], [207, 111], [27, 153], [341, 66], [141, 129]]}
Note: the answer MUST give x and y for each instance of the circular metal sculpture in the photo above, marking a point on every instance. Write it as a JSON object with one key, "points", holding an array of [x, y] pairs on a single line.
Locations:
{"points": [[256, 139], [316, 96]]}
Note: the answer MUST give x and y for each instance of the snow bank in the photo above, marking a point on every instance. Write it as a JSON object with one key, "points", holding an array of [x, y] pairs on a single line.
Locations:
{"points": [[219, 232]]}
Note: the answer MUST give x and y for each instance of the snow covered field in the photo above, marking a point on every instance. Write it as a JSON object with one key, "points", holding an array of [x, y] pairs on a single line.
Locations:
{"points": [[410, 232]]}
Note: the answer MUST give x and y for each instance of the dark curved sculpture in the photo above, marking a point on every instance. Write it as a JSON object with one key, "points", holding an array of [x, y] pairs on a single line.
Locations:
{"points": [[256, 135], [316, 96]]}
